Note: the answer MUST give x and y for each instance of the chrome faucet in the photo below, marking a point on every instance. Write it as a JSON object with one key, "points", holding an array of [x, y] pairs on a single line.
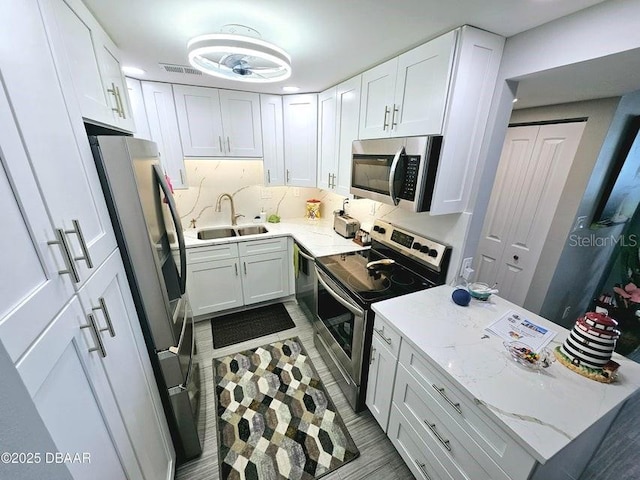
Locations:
{"points": [[234, 216]]}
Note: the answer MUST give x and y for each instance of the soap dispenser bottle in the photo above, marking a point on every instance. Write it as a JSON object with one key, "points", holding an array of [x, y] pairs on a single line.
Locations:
{"points": [[263, 215]]}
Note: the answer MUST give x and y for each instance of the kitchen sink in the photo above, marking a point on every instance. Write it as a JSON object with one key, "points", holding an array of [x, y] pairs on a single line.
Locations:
{"points": [[252, 230], [213, 233]]}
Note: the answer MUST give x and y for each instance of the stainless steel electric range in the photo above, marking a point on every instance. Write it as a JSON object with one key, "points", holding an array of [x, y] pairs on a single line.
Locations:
{"points": [[399, 262]]}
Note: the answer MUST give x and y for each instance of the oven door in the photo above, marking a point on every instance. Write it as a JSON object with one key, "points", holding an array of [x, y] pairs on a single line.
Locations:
{"points": [[341, 325]]}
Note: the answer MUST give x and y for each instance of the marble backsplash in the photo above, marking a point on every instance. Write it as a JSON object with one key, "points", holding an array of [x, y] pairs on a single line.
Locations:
{"points": [[243, 180]]}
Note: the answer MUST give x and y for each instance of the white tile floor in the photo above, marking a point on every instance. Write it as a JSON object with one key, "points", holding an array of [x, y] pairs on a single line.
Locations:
{"points": [[378, 458]]}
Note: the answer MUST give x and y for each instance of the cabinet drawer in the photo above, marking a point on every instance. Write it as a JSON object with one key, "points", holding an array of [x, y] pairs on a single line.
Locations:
{"points": [[461, 411], [389, 337], [267, 245], [418, 456], [208, 254], [435, 428]]}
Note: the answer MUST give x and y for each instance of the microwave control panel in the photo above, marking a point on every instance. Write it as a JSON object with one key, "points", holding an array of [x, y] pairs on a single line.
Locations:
{"points": [[408, 190]]}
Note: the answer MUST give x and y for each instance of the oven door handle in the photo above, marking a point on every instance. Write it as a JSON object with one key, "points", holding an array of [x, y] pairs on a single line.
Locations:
{"points": [[305, 256], [349, 306], [392, 175]]}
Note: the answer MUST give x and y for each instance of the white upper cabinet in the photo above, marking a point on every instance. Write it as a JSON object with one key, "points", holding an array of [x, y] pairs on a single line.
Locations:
{"points": [[338, 119], [218, 123], [88, 63], [163, 126], [327, 138], [407, 95], [137, 109], [300, 139], [272, 139]]}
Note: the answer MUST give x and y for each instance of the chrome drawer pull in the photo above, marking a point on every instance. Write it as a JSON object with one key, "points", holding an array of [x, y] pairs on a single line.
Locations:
{"points": [[107, 317], [95, 333], [386, 114], [61, 240], [422, 467], [381, 333], [228, 145], [268, 176], [373, 356], [393, 117], [444, 395], [432, 427], [83, 245]]}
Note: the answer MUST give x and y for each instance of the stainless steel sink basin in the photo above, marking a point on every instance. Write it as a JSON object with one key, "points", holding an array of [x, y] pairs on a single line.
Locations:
{"points": [[252, 230], [213, 233]]}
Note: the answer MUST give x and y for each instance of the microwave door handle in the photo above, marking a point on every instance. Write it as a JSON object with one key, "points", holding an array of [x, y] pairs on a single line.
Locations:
{"points": [[176, 221], [392, 175]]}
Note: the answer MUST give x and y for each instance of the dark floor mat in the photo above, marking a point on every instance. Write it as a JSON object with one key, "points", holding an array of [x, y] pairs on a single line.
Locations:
{"points": [[241, 326]]}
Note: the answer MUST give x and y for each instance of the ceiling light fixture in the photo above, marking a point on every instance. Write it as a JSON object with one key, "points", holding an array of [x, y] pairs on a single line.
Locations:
{"points": [[239, 57]]}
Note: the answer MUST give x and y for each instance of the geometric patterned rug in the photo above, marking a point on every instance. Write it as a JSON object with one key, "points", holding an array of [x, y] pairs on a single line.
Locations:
{"points": [[275, 419]]}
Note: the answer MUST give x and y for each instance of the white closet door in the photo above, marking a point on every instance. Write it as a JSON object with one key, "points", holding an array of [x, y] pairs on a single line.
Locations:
{"points": [[533, 170]]}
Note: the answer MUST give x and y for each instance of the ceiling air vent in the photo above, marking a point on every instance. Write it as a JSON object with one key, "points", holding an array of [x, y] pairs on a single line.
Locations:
{"points": [[184, 69]]}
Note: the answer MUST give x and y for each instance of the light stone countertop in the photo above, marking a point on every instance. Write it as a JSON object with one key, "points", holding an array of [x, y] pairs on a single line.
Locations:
{"points": [[542, 410], [317, 236]]}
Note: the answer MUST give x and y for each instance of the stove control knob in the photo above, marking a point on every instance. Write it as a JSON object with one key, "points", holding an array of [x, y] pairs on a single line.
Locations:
{"points": [[376, 228], [381, 230], [433, 253], [424, 249], [416, 246]]}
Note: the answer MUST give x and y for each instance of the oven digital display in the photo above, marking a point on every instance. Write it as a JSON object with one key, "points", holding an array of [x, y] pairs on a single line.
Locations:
{"points": [[402, 238]]}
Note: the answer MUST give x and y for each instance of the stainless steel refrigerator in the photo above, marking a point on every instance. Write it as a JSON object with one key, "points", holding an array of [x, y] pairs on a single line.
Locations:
{"points": [[147, 224]]}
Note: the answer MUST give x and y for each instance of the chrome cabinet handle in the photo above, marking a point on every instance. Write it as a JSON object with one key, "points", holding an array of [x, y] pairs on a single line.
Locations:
{"points": [[268, 176], [181, 176], [393, 117], [245, 267], [236, 266], [333, 180], [95, 333], [329, 181], [83, 245], [120, 104], [112, 91], [441, 391], [422, 467], [381, 333], [385, 124], [220, 143], [105, 311], [373, 356], [288, 176], [71, 269], [432, 427], [228, 145]]}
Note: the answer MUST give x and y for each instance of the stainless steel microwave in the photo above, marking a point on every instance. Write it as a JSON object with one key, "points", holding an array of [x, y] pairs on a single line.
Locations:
{"points": [[396, 171]]}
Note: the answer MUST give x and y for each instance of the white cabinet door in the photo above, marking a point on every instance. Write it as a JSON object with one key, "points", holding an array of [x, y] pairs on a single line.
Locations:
{"points": [[163, 125], [241, 123], [199, 121], [106, 296], [114, 83], [376, 99], [265, 277], [214, 286], [422, 87], [74, 400], [62, 163], [33, 291], [533, 169], [382, 370], [272, 139], [347, 122], [300, 139], [327, 138], [137, 109], [88, 62]]}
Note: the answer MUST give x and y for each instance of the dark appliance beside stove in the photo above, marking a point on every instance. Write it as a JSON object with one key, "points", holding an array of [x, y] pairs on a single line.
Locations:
{"points": [[399, 262]]}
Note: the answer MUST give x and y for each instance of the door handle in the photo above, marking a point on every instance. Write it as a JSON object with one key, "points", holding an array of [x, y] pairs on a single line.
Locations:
{"points": [[105, 311], [393, 117], [228, 145], [95, 333], [385, 124], [83, 245], [373, 356], [392, 175], [245, 267], [236, 267], [71, 269], [220, 143]]}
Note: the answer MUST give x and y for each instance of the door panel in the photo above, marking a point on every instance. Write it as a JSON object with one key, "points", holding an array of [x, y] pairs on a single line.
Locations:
{"points": [[348, 118], [200, 121], [241, 123], [326, 138], [273, 139], [533, 170], [377, 99]]}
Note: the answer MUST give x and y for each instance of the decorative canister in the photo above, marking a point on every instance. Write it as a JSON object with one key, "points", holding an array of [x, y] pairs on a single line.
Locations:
{"points": [[313, 209]]}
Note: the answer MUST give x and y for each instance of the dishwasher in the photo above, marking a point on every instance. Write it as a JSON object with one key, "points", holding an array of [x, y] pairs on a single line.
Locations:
{"points": [[306, 281]]}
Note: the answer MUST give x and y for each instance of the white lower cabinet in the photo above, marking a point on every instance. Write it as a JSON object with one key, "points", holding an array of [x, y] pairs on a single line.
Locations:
{"points": [[213, 278], [382, 371], [222, 277]]}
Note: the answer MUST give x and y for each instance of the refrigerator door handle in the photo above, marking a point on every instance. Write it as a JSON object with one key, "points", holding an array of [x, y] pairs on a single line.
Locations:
{"points": [[178, 226]]}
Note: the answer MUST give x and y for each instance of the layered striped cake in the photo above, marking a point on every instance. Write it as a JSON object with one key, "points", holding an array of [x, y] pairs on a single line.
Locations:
{"points": [[592, 340]]}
